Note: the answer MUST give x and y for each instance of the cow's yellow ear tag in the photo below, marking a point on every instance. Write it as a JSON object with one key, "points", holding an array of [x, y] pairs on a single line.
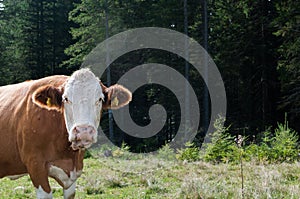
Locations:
{"points": [[49, 101], [115, 102]]}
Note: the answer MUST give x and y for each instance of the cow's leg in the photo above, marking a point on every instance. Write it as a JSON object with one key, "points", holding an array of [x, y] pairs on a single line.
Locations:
{"points": [[41, 194], [69, 193], [38, 173]]}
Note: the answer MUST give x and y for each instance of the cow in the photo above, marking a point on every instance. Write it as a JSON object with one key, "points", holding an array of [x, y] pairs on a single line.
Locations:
{"points": [[47, 124]]}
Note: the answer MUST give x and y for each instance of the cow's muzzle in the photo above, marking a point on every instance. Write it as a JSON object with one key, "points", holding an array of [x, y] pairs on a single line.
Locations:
{"points": [[83, 136]]}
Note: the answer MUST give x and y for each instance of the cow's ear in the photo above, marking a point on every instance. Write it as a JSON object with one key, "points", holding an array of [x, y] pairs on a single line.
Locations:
{"points": [[116, 96], [48, 97]]}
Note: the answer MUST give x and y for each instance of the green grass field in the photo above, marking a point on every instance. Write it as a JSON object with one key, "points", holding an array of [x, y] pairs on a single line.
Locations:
{"points": [[152, 177]]}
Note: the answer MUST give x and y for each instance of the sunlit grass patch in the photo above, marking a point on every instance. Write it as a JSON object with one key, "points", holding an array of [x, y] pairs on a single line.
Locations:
{"points": [[152, 177]]}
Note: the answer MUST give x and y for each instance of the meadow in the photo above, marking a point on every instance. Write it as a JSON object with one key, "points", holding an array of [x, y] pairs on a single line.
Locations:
{"points": [[227, 168], [152, 176]]}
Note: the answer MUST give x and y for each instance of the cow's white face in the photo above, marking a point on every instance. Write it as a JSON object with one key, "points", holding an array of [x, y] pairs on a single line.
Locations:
{"points": [[82, 98]]}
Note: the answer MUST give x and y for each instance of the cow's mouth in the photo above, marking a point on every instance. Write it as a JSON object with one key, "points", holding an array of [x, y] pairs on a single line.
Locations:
{"points": [[77, 145]]}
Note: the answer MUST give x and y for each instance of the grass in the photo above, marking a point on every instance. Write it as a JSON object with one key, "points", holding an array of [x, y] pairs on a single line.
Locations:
{"points": [[152, 177]]}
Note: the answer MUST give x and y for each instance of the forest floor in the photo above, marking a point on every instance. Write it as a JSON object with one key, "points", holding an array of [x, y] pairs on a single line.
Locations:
{"points": [[153, 177]]}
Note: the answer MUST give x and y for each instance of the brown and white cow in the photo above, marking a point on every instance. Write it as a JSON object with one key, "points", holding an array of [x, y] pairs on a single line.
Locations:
{"points": [[46, 125]]}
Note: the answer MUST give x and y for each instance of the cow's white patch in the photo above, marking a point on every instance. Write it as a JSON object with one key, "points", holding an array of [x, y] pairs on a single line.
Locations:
{"points": [[82, 102], [14, 177], [59, 173], [41, 194], [70, 192]]}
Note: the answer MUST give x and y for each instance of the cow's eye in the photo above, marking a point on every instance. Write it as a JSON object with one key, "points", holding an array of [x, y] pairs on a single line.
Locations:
{"points": [[66, 100], [99, 101]]}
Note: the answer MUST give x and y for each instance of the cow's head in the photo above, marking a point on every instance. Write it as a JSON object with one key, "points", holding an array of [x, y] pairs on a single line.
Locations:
{"points": [[82, 99]]}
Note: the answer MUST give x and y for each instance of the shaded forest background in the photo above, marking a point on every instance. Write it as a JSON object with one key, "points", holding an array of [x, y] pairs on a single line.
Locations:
{"points": [[255, 44]]}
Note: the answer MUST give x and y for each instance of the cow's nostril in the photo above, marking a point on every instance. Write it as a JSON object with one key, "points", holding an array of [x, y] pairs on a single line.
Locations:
{"points": [[76, 130], [77, 138], [91, 131]]}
